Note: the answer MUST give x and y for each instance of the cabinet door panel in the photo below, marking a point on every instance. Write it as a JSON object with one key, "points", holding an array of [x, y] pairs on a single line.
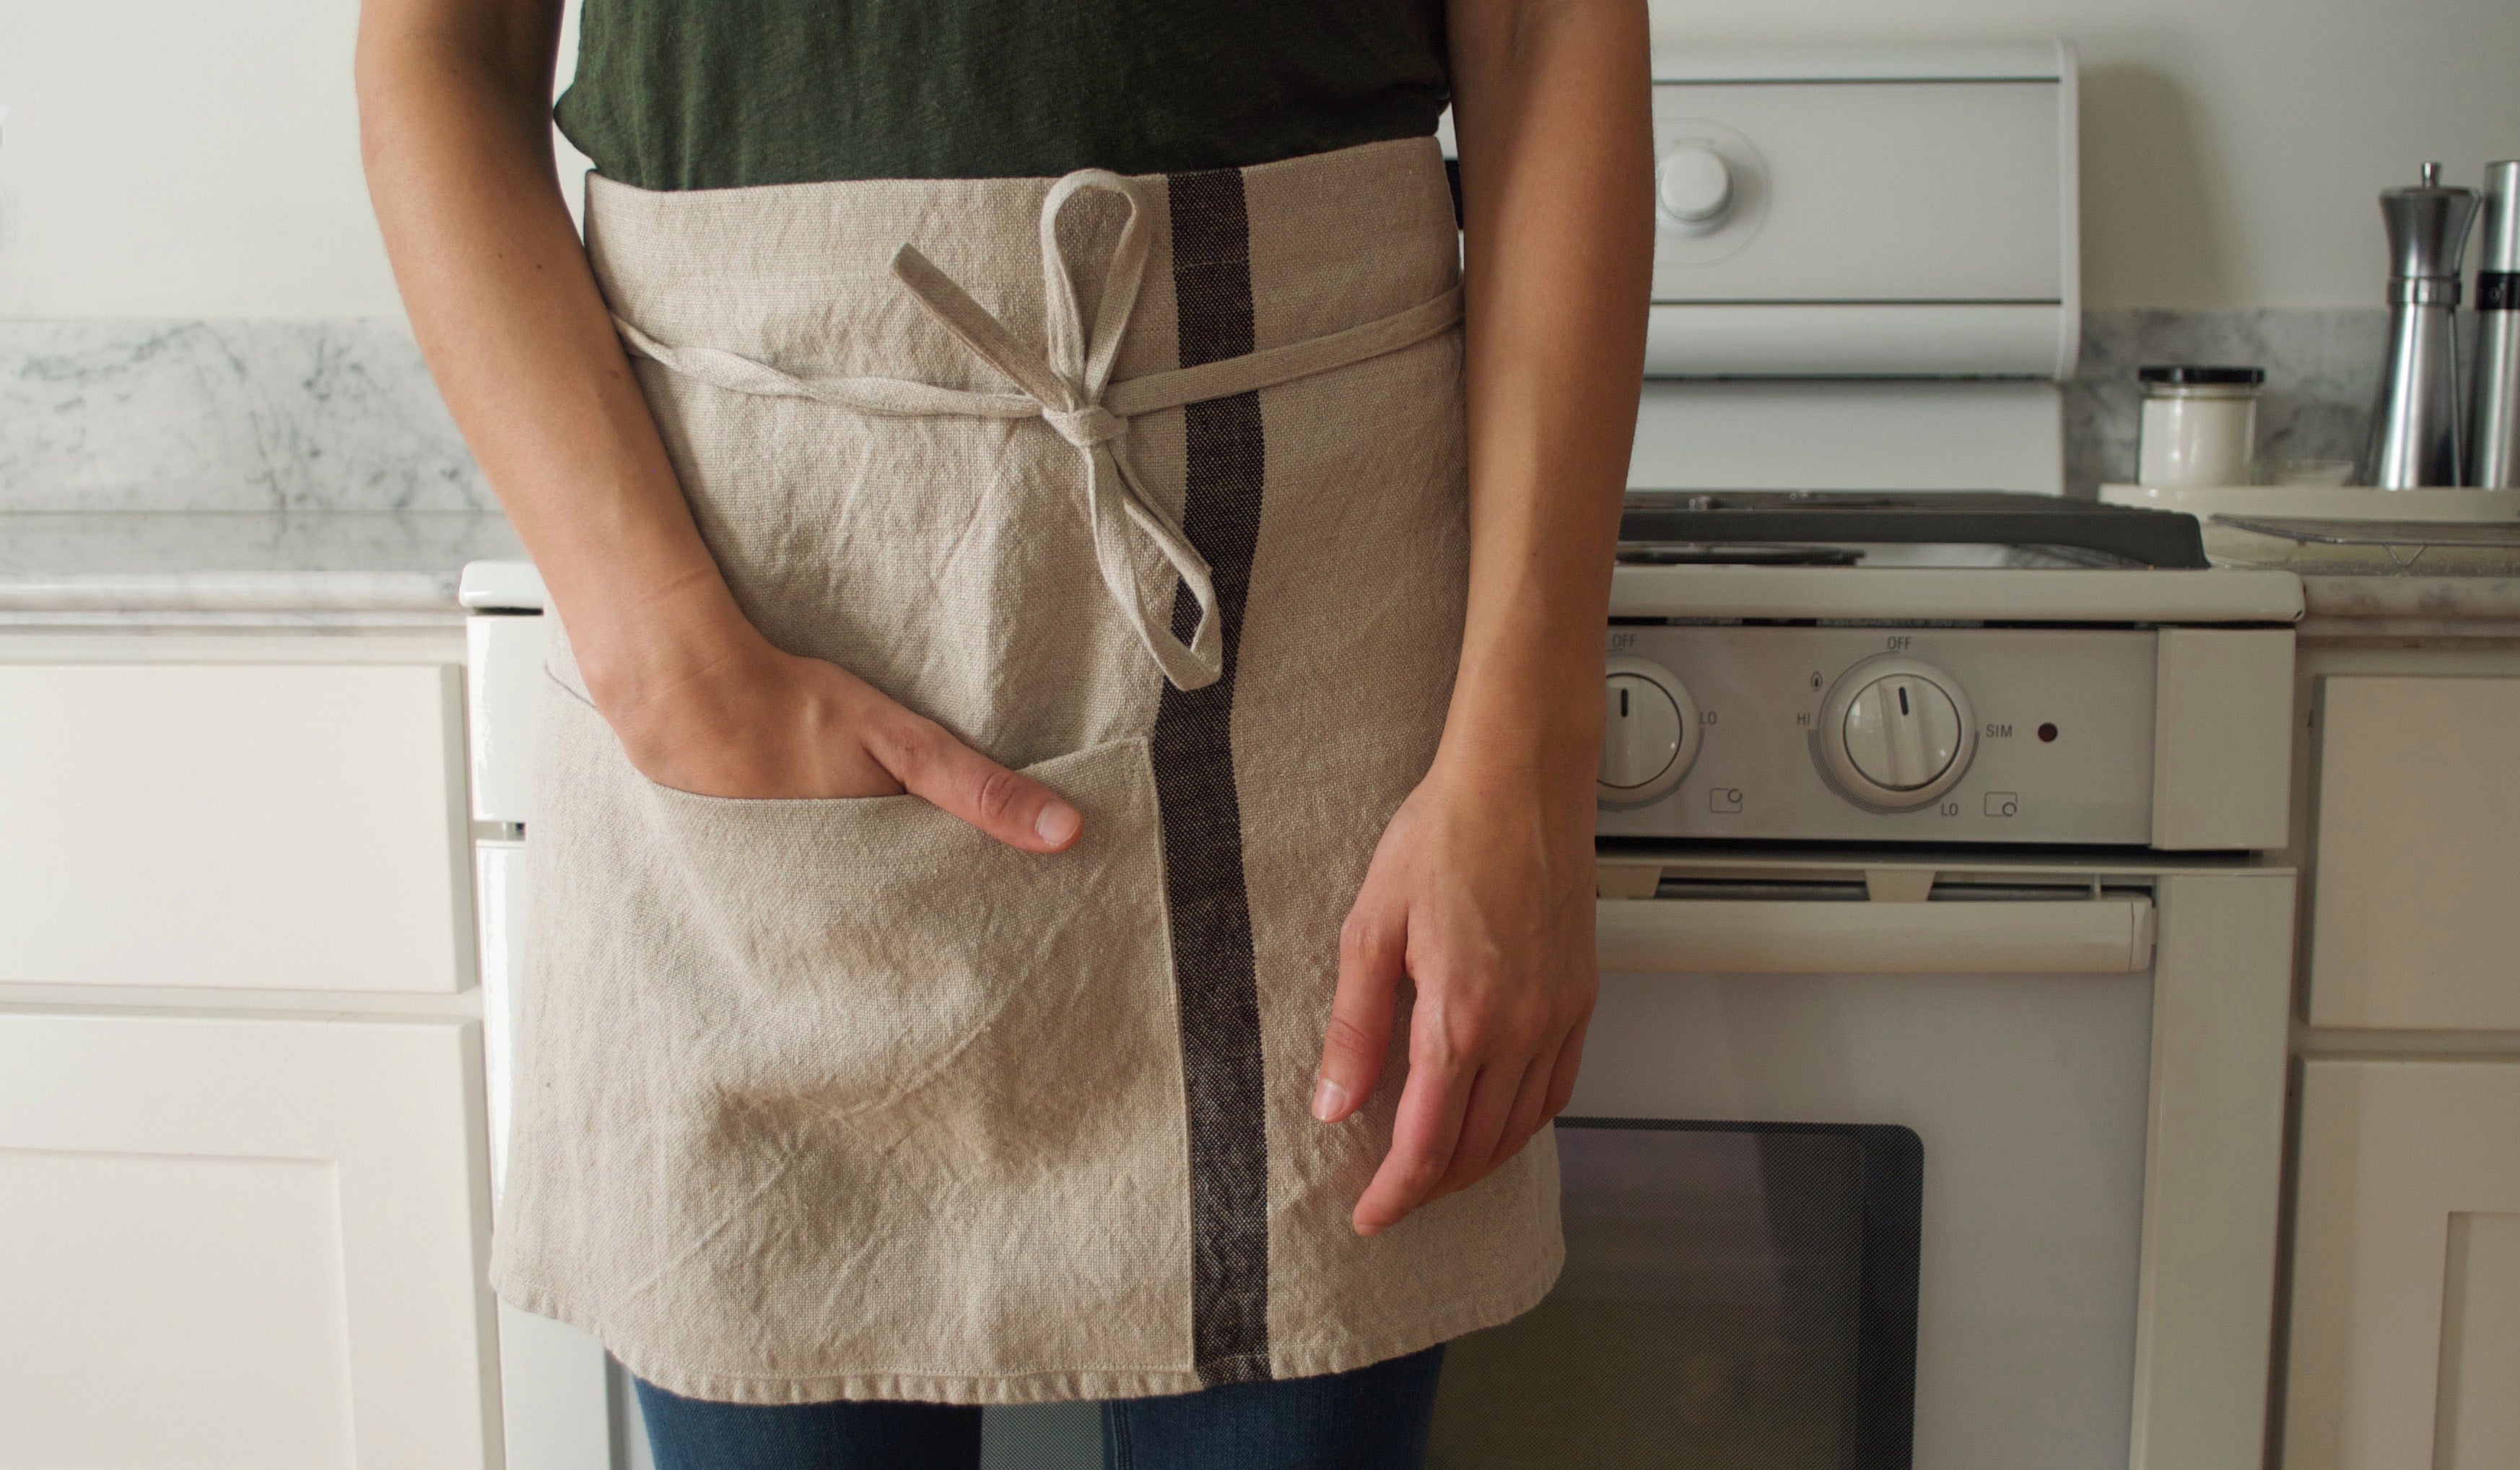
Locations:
{"points": [[2414, 924], [259, 826], [2405, 1299], [249, 1243], [221, 1326]]}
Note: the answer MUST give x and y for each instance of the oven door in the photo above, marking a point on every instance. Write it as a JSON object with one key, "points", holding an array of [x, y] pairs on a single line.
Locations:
{"points": [[1887, 1204]]}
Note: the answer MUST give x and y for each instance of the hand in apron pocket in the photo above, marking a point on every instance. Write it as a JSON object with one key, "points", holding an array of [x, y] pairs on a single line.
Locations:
{"points": [[847, 952], [766, 723]]}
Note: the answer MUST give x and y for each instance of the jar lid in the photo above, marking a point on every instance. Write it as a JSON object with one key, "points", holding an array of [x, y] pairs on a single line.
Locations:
{"points": [[2203, 376]]}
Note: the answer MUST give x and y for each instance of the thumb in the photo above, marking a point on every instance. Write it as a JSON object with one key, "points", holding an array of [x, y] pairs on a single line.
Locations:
{"points": [[1017, 810], [1373, 944]]}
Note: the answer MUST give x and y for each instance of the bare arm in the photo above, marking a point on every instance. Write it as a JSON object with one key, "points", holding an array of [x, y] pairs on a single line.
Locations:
{"points": [[1481, 893], [454, 111]]}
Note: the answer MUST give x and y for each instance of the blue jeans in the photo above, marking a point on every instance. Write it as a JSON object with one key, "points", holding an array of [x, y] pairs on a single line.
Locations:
{"points": [[1369, 1418]]}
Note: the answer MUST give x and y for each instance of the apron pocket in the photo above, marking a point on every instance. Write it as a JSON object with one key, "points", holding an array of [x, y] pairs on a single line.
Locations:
{"points": [[834, 956]]}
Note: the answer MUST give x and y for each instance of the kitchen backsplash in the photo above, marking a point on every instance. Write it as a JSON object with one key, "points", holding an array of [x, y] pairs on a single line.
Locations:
{"points": [[2322, 369], [340, 415], [225, 415]]}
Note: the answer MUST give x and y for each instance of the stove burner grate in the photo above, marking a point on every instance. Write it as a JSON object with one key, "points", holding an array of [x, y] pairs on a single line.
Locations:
{"points": [[1691, 554], [1727, 524]]}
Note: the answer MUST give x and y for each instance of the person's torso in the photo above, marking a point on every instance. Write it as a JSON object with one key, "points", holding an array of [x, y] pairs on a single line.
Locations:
{"points": [[713, 94]]}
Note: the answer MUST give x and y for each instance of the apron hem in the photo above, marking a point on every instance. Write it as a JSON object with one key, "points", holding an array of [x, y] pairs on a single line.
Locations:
{"points": [[1339, 1354]]}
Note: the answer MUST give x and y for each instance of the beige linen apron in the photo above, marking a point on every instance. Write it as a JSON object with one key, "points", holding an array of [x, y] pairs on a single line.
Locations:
{"points": [[1152, 487]]}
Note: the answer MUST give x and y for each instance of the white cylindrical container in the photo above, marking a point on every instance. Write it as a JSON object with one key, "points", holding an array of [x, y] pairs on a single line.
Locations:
{"points": [[2200, 424]]}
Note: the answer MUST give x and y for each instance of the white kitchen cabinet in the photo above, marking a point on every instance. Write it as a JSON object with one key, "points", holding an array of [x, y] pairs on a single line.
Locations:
{"points": [[255, 825], [2417, 909], [252, 1242], [2406, 1285]]}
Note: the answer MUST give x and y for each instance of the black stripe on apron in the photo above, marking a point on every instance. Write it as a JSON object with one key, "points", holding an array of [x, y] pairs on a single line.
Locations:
{"points": [[1203, 817]]}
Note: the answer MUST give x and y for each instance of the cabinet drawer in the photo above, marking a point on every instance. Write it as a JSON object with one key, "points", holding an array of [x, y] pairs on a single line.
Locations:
{"points": [[242, 826], [2417, 915]]}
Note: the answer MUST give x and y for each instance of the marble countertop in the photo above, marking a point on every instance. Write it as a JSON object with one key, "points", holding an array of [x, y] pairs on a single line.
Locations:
{"points": [[2409, 606], [362, 568], [2383, 591], [400, 567]]}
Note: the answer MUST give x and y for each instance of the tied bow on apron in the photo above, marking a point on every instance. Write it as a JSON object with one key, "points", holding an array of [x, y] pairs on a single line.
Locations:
{"points": [[1069, 387]]}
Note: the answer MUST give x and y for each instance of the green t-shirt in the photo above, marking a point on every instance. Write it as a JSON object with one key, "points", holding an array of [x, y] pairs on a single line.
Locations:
{"points": [[713, 94]]}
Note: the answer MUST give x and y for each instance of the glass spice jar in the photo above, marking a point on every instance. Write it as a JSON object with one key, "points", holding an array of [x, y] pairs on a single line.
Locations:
{"points": [[2200, 424]]}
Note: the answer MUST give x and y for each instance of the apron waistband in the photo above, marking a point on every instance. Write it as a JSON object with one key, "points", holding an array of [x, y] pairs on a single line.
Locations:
{"points": [[1069, 387]]}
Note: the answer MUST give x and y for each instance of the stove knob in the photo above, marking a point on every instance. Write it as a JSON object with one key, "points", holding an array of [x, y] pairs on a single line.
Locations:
{"points": [[1896, 734], [1650, 737], [1693, 186], [1902, 731]]}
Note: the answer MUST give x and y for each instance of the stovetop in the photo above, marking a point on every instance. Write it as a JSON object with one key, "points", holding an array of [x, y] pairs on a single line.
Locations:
{"points": [[1856, 528]]}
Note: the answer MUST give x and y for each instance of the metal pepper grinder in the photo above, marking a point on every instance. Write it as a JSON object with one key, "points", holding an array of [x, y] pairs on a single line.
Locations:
{"points": [[2416, 421]]}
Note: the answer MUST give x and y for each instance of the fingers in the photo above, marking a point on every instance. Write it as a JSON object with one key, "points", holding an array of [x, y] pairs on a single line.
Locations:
{"points": [[1423, 1138], [1570, 1058], [1372, 948], [1530, 1110], [1484, 1126], [1017, 810], [1506, 1100]]}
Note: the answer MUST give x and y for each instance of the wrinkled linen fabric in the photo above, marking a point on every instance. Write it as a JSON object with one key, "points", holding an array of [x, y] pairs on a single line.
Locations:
{"points": [[842, 1099]]}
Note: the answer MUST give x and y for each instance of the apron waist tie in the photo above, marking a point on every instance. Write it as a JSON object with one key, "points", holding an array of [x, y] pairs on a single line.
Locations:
{"points": [[1069, 387]]}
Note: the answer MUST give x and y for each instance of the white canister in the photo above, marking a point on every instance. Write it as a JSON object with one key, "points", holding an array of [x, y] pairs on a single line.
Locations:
{"points": [[2200, 424]]}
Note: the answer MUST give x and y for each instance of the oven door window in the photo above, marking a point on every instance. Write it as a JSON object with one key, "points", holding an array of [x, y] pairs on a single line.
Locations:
{"points": [[1737, 1295]]}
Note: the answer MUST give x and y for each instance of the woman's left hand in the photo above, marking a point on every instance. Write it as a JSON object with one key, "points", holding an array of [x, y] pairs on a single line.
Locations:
{"points": [[1479, 902]]}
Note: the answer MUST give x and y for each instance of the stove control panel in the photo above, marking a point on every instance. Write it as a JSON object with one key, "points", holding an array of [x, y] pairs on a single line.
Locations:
{"points": [[1879, 734]]}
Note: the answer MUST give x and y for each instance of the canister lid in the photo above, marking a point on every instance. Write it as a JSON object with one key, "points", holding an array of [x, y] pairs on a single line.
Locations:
{"points": [[2203, 376]]}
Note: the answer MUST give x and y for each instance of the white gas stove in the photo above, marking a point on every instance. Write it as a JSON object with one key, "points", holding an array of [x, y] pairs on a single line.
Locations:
{"points": [[1933, 1109]]}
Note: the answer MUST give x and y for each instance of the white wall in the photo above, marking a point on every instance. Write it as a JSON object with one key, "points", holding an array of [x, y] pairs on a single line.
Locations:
{"points": [[175, 157], [188, 159], [183, 159]]}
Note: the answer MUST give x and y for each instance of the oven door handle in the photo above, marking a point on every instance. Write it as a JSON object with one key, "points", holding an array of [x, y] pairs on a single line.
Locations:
{"points": [[2110, 934]]}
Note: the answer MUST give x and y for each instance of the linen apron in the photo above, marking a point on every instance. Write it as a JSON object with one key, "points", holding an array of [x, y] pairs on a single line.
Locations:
{"points": [[1152, 489]]}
